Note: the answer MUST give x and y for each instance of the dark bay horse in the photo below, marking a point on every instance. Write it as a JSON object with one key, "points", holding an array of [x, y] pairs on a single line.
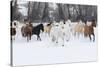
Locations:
{"points": [[89, 30], [37, 29]]}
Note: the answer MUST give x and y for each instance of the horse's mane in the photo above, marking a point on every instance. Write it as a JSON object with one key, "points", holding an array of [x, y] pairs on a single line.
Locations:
{"points": [[38, 26], [49, 24]]}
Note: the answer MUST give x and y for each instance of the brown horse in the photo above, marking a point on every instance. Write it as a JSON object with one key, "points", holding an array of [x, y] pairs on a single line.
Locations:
{"points": [[27, 31], [13, 32], [89, 30]]}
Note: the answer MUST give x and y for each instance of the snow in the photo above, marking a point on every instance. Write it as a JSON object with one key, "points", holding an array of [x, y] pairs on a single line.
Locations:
{"points": [[46, 52]]}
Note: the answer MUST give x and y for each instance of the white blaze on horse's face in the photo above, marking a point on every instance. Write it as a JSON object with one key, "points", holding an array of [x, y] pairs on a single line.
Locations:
{"points": [[80, 22], [69, 21], [61, 22], [88, 23]]}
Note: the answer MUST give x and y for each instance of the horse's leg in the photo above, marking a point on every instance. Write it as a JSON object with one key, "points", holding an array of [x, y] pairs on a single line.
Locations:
{"points": [[56, 39], [49, 34], [93, 37], [78, 35], [30, 37], [14, 37], [69, 36], [74, 34], [53, 38], [38, 37], [63, 41], [90, 37], [27, 38]]}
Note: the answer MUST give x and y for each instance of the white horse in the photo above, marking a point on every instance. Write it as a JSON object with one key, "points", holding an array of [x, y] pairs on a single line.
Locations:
{"points": [[56, 33], [60, 30], [67, 29]]}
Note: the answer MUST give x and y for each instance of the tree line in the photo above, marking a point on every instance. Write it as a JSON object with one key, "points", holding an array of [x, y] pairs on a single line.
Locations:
{"points": [[44, 11]]}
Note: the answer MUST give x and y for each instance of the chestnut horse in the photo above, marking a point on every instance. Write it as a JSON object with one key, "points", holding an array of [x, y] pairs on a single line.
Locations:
{"points": [[89, 30], [27, 31]]}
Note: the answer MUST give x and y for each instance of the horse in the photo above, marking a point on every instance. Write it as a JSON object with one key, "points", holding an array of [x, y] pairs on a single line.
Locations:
{"points": [[47, 28], [89, 30], [79, 29], [60, 30], [15, 23], [27, 31], [37, 29], [67, 29], [12, 31], [56, 33]]}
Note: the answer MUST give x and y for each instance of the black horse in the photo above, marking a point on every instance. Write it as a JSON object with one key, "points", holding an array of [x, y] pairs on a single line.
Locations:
{"points": [[37, 29]]}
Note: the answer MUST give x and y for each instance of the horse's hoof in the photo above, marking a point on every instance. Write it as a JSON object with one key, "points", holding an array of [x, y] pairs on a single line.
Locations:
{"points": [[67, 40], [93, 40], [56, 42], [40, 40], [63, 45]]}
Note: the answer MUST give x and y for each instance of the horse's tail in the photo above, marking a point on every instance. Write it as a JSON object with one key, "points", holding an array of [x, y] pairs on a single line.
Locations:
{"points": [[22, 31]]}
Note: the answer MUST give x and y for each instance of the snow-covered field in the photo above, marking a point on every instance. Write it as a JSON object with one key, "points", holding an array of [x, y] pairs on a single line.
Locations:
{"points": [[46, 52]]}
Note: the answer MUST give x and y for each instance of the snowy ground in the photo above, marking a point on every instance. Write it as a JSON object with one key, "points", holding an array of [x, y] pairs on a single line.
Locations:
{"points": [[45, 52]]}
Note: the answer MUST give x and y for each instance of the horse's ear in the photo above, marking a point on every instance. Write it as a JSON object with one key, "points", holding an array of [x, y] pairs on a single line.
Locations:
{"points": [[85, 22], [93, 20]]}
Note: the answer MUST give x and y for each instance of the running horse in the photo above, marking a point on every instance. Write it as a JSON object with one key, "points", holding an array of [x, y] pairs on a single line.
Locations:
{"points": [[12, 31], [27, 31], [36, 30], [47, 28], [89, 30]]}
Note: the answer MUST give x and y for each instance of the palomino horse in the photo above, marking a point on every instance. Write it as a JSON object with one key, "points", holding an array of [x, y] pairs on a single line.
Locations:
{"points": [[89, 30], [79, 29], [47, 28]]}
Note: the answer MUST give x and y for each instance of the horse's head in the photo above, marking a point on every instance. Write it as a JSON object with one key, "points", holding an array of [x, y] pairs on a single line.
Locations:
{"points": [[41, 27], [93, 23]]}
